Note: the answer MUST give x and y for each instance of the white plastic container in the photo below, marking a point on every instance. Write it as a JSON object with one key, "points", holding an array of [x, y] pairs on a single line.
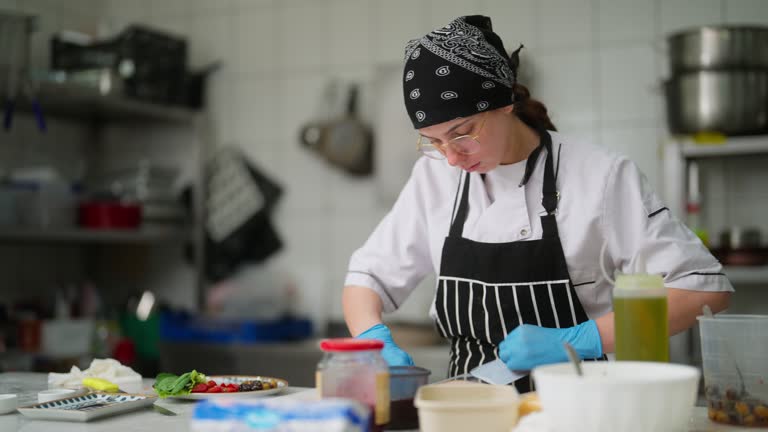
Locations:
{"points": [[733, 344], [67, 338], [618, 396], [466, 407]]}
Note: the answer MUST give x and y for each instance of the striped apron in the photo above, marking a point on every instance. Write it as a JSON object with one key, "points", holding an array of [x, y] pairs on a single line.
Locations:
{"points": [[485, 290]]}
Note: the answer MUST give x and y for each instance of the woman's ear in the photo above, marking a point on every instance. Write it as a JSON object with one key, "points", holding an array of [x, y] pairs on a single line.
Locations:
{"points": [[508, 109]]}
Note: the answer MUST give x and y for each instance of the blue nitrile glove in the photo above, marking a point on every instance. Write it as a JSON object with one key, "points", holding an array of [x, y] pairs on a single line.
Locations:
{"points": [[529, 346], [391, 352]]}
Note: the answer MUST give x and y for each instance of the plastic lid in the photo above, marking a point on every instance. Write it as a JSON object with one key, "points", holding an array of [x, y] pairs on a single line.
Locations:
{"points": [[640, 283], [350, 344]]}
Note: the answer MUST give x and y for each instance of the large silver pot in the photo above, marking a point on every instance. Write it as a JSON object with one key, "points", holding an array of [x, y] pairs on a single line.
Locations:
{"points": [[731, 102], [719, 47]]}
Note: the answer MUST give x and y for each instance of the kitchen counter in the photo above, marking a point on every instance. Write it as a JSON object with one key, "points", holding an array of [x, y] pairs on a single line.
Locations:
{"points": [[26, 385]]}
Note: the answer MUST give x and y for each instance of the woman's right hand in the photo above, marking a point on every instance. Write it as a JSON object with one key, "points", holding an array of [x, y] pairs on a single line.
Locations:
{"points": [[392, 353]]}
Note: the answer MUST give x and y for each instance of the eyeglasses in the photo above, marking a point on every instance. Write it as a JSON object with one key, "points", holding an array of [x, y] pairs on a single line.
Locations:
{"points": [[464, 145]]}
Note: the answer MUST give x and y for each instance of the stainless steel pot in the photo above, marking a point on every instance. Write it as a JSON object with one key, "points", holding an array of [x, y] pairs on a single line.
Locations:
{"points": [[733, 102], [719, 47]]}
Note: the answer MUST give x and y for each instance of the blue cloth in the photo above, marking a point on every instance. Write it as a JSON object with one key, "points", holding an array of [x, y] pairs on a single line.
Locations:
{"points": [[392, 353], [529, 346]]}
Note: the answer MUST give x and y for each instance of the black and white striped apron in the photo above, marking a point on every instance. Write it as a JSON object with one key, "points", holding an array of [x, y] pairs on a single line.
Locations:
{"points": [[485, 290]]}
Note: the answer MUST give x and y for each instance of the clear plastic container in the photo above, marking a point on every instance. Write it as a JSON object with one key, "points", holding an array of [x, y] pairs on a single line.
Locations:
{"points": [[404, 381], [354, 369], [734, 349], [640, 318]]}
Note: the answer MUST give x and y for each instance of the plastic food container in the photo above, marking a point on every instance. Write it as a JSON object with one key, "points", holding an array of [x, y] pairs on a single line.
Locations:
{"points": [[465, 406], [618, 396], [404, 381], [734, 349]]}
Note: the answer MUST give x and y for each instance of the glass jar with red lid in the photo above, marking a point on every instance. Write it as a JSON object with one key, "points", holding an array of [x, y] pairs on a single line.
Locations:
{"points": [[354, 369]]}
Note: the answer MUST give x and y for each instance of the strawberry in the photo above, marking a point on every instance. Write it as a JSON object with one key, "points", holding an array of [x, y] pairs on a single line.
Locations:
{"points": [[200, 388], [226, 389], [211, 383], [215, 389]]}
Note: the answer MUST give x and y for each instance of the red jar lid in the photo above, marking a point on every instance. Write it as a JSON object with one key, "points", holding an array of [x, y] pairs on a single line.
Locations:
{"points": [[350, 344]]}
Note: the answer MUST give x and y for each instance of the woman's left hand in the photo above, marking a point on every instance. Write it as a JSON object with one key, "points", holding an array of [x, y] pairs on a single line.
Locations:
{"points": [[529, 346]]}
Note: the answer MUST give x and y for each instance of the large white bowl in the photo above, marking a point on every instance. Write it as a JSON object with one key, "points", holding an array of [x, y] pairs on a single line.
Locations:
{"points": [[618, 396]]}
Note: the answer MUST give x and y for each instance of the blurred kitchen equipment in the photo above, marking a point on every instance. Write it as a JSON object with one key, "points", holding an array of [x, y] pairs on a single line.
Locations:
{"points": [[462, 406], [67, 338], [239, 204], [740, 246], [732, 102], [149, 184], [404, 381], [345, 142], [740, 238], [719, 47], [151, 62], [693, 216], [618, 396], [15, 41], [728, 341]]}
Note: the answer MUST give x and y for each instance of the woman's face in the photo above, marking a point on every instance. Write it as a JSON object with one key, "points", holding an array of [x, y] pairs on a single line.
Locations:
{"points": [[491, 131]]}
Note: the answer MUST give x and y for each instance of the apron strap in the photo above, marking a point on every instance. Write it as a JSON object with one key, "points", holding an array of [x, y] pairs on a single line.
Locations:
{"points": [[549, 191], [457, 225]]}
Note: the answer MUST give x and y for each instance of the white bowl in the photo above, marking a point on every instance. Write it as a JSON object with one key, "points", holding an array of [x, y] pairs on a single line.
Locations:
{"points": [[618, 396], [53, 394], [466, 407], [8, 403]]}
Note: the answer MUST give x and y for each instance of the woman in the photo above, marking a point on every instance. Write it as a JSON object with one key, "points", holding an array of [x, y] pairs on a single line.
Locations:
{"points": [[525, 211]]}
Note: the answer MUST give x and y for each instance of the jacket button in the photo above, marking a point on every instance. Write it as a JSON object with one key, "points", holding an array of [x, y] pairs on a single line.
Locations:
{"points": [[523, 232]]}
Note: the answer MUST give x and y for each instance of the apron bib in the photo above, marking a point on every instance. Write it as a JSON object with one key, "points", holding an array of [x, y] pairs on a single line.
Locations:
{"points": [[486, 290]]}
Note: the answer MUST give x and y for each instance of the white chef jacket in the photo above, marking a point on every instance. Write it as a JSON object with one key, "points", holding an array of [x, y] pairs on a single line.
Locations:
{"points": [[604, 197]]}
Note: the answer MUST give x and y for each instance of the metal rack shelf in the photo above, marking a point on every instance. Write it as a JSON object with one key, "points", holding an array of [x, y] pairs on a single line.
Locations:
{"points": [[747, 275], [144, 235], [84, 103], [735, 146]]}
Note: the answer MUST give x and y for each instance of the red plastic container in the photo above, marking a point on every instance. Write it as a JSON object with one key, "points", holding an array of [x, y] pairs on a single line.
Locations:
{"points": [[109, 215]]}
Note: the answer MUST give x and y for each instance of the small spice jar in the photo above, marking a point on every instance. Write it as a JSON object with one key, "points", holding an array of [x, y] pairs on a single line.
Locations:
{"points": [[354, 369]]}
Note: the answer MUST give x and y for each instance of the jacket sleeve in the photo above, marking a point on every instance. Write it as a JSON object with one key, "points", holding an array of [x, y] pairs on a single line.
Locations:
{"points": [[395, 258], [642, 232]]}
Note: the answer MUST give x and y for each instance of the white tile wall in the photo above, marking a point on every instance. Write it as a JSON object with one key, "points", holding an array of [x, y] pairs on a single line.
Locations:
{"points": [[595, 63], [620, 21], [629, 89]]}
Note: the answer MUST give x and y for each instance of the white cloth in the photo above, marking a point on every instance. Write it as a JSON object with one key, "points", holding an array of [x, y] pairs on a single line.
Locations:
{"points": [[603, 198]]}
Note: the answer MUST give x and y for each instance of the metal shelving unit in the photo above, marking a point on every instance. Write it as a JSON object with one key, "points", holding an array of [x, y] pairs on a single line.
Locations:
{"points": [[679, 151], [85, 104], [146, 235]]}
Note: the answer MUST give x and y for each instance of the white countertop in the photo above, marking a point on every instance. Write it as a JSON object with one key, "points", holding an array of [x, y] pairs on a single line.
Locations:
{"points": [[26, 385]]}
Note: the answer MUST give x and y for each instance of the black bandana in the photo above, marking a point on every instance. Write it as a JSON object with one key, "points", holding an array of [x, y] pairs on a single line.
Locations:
{"points": [[457, 71]]}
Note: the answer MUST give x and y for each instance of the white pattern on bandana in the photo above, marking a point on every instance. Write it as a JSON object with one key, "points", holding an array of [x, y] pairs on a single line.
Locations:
{"points": [[449, 95], [464, 45], [443, 71], [415, 94]]}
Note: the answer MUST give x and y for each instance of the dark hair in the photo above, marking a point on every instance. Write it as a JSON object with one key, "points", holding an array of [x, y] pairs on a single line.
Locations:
{"points": [[531, 111]]}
